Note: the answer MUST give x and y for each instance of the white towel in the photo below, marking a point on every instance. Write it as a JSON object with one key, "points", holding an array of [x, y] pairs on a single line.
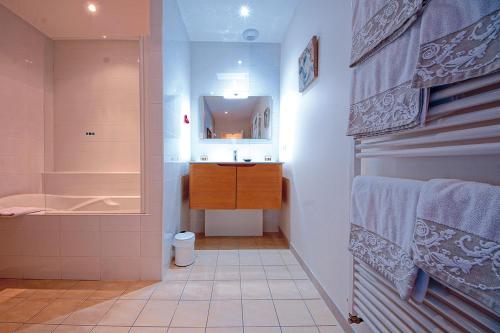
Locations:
{"points": [[457, 237], [383, 215], [18, 211]]}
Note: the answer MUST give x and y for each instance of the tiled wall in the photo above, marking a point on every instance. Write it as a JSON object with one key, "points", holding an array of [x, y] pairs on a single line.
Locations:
{"points": [[124, 247], [262, 63], [176, 133], [24, 63], [96, 89]]}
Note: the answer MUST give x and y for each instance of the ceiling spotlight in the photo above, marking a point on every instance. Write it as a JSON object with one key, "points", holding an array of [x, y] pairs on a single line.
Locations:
{"points": [[225, 112], [244, 11], [240, 62], [104, 36], [92, 7]]}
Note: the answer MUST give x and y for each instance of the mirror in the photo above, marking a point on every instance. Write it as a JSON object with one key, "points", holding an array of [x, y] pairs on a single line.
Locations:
{"points": [[229, 118]]}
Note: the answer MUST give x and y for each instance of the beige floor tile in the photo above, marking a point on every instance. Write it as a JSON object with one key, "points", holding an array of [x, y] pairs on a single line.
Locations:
{"points": [[252, 273], [321, 313], [228, 259], [185, 330], [226, 290], [141, 290], [47, 294], [289, 259], [277, 273], [224, 330], [255, 289], [331, 329], [157, 313], [191, 314], [24, 311], [284, 289], [250, 259], [169, 290], [149, 330], [123, 313], [307, 289], [56, 312], [7, 303], [202, 273], [177, 273], [35, 328], [111, 329], [206, 260], [73, 329], [106, 294], [271, 259], [9, 327], [297, 272], [293, 313], [90, 312], [227, 273], [77, 294], [197, 291], [262, 330], [259, 313], [310, 329], [225, 314]]}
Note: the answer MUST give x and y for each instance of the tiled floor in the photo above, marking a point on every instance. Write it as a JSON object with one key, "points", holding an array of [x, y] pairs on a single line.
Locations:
{"points": [[225, 291]]}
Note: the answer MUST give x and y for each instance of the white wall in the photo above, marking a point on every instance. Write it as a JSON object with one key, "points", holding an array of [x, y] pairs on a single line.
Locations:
{"points": [[262, 63], [176, 134], [314, 146]]}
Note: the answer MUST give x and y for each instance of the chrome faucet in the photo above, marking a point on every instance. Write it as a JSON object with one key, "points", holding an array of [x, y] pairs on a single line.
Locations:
{"points": [[235, 155]]}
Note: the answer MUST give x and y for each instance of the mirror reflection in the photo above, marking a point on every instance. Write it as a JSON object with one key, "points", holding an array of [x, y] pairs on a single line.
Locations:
{"points": [[248, 118]]}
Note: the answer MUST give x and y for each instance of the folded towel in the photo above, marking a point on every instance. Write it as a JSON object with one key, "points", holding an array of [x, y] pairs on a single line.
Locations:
{"points": [[459, 40], [382, 98], [457, 237], [376, 23], [383, 215], [18, 211]]}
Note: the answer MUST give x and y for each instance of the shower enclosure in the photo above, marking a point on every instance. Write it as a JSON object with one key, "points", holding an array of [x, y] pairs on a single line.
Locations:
{"points": [[71, 111]]}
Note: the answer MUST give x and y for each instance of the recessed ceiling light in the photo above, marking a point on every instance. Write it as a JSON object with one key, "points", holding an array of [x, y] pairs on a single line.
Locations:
{"points": [[104, 36], [244, 11], [226, 112], [92, 7], [240, 62]]}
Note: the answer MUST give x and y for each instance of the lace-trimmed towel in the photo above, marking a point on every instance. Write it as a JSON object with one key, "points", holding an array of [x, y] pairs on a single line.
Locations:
{"points": [[459, 40], [382, 99], [383, 214], [457, 237], [376, 23]]}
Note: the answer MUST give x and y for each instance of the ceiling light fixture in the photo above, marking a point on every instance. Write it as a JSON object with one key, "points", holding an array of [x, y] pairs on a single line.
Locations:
{"points": [[244, 11], [226, 112], [240, 62], [92, 7]]}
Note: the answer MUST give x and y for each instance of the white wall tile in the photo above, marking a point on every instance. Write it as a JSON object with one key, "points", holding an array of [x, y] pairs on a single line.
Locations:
{"points": [[80, 223], [115, 268], [81, 268], [151, 244], [151, 268], [41, 267], [80, 243], [120, 223], [120, 244]]}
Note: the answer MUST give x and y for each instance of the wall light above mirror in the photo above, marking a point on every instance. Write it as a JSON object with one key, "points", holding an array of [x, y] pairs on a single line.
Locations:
{"points": [[248, 118]]}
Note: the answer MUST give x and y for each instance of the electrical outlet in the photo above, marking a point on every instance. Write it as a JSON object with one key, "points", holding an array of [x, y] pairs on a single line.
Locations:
{"points": [[88, 133]]}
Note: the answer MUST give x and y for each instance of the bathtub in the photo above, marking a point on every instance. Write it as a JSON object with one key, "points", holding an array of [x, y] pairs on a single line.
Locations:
{"points": [[69, 204]]}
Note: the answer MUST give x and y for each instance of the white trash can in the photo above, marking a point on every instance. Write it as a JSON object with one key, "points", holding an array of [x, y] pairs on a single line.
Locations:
{"points": [[184, 248]]}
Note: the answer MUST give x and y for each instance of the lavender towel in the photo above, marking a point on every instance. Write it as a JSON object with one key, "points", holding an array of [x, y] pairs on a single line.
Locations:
{"points": [[457, 237], [382, 98], [383, 215], [459, 40]]}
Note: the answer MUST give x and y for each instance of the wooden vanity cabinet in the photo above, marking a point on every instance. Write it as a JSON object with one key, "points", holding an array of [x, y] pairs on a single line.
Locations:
{"points": [[235, 186], [212, 186], [259, 186]]}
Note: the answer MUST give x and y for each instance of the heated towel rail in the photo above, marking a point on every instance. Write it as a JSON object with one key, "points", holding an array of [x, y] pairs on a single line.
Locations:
{"points": [[463, 121]]}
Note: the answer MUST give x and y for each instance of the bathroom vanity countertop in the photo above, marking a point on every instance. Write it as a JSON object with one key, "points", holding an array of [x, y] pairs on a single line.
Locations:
{"points": [[233, 163]]}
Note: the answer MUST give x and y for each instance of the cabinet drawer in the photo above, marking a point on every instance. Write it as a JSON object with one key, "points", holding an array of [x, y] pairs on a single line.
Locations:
{"points": [[212, 186], [259, 186]]}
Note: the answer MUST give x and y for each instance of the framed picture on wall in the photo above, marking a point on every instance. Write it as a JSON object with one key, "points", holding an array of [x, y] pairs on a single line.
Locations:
{"points": [[309, 64]]}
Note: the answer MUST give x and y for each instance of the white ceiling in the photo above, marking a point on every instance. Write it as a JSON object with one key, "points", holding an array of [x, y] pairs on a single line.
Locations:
{"points": [[63, 19], [219, 20]]}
